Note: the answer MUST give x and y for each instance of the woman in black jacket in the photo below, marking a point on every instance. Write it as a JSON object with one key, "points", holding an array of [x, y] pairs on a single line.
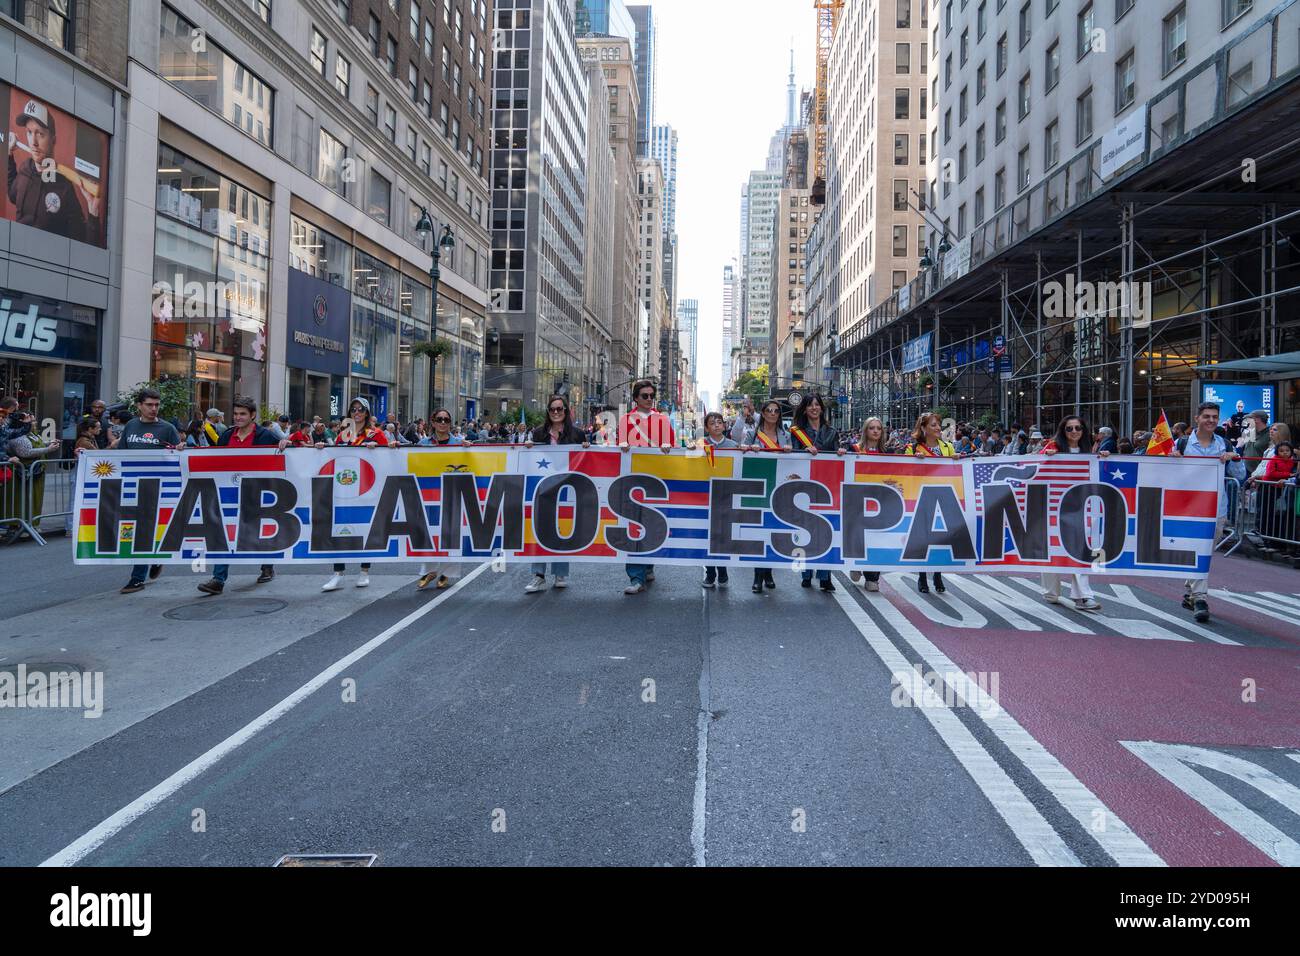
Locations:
{"points": [[558, 429], [812, 432]]}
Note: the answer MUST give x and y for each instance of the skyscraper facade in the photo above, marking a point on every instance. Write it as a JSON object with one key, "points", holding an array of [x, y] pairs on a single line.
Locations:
{"points": [[643, 18], [764, 196], [688, 322], [650, 184], [604, 18], [598, 271], [538, 204], [730, 319], [663, 147]]}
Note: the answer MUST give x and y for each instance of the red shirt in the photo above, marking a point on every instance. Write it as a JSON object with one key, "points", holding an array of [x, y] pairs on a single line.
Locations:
{"points": [[645, 430], [375, 435], [237, 442]]}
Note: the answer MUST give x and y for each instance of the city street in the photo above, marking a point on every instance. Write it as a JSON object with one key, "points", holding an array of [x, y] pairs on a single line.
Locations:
{"points": [[483, 725]]}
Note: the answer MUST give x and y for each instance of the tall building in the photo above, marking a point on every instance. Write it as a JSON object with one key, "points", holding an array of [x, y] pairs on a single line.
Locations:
{"points": [[650, 185], [603, 18], [730, 319], [764, 197], [643, 18], [538, 203], [63, 77], [794, 218], [663, 147], [688, 322], [614, 56], [876, 148], [297, 150], [598, 263]]}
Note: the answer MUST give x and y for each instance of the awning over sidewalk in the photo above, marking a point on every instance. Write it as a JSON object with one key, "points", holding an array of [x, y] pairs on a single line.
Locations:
{"points": [[1286, 365]]}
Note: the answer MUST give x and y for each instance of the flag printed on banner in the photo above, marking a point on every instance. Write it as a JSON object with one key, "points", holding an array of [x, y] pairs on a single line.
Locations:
{"points": [[353, 476], [1059, 473], [687, 480], [428, 467], [537, 464], [166, 469], [1187, 518], [909, 475]]}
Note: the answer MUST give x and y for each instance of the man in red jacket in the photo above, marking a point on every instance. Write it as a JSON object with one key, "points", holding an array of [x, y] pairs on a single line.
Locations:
{"points": [[246, 433], [643, 427]]}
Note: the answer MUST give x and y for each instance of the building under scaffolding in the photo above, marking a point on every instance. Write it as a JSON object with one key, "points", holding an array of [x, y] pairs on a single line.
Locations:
{"points": [[1115, 292]]}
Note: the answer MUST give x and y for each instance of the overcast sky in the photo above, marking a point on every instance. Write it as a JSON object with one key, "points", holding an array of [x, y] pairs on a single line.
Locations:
{"points": [[723, 66]]}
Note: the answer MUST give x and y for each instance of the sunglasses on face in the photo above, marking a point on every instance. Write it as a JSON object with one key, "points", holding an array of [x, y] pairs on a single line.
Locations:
{"points": [[556, 408], [443, 419], [1073, 428], [646, 395]]}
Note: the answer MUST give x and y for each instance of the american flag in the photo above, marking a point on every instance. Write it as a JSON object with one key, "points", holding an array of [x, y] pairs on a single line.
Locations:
{"points": [[1060, 473]]}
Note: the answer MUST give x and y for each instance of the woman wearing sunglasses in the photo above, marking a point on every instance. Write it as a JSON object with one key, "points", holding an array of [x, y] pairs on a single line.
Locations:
{"points": [[767, 434], [558, 429], [360, 431], [440, 435], [811, 432], [1074, 437]]}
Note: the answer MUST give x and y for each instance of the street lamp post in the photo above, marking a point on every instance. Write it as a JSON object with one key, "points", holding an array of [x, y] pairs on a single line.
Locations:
{"points": [[424, 228]]}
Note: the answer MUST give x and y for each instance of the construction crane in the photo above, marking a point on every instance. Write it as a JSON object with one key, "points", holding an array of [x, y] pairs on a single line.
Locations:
{"points": [[828, 19]]}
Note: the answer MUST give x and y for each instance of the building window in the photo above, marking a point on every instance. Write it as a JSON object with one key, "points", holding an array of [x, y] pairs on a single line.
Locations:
{"points": [[961, 165], [410, 142], [1125, 82], [214, 78], [390, 123], [379, 198], [442, 120], [374, 36], [981, 82], [1024, 96], [426, 97], [414, 15], [260, 7], [962, 108], [900, 241], [902, 104], [1002, 54], [319, 51], [428, 40], [965, 46], [1000, 122], [426, 158], [1022, 170], [1232, 9], [1083, 118], [947, 71], [979, 206], [1122, 7], [900, 149], [979, 145], [332, 164], [1175, 38], [1051, 145], [903, 58], [905, 13], [999, 189], [412, 81], [342, 75], [1026, 17], [372, 104], [1087, 20], [390, 55], [1053, 65], [344, 10]]}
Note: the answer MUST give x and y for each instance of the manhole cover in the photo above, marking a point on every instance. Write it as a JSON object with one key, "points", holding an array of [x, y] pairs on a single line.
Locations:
{"points": [[224, 609], [327, 859]]}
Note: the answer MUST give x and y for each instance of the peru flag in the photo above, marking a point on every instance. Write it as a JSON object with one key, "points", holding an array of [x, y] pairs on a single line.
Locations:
{"points": [[353, 476]]}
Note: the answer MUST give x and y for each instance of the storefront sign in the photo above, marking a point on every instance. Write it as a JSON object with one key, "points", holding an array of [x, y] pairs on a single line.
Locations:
{"points": [[36, 327], [319, 319]]}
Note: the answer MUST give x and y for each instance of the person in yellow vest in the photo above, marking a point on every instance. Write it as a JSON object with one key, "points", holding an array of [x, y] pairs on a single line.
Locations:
{"points": [[928, 442]]}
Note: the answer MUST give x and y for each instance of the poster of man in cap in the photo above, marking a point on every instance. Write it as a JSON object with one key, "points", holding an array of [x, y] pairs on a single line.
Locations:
{"points": [[55, 170]]}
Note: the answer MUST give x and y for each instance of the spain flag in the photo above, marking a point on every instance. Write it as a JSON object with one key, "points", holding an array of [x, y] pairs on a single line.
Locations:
{"points": [[910, 475], [1162, 439]]}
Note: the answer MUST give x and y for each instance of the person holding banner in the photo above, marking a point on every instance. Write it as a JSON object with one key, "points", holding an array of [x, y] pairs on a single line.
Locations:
{"points": [[870, 442], [767, 435], [1206, 443], [715, 437], [811, 432], [643, 427], [558, 429], [360, 431], [246, 433], [440, 435], [928, 442], [1073, 437]]}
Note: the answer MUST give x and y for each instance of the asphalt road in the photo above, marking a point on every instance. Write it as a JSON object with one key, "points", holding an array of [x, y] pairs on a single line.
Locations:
{"points": [[681, 727]]}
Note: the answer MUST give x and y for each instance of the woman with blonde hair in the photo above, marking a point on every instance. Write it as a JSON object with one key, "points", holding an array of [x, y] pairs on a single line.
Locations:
{"points": [[870, 442], [928, 442]]}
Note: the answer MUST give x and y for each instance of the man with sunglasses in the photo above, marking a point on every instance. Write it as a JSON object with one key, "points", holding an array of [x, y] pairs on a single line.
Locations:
{"points": [[643, 427], [440, 435]]}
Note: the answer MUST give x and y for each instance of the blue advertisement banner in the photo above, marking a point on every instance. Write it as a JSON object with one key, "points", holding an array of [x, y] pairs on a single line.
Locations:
{"points": [[320, 316], [1240, 398], [917, 352]]}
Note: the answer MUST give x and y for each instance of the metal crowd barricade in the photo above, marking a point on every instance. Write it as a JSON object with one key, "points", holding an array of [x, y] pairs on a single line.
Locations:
{"points": [[1268, 516], [36, 498], [1233, 528], [16, 503]]}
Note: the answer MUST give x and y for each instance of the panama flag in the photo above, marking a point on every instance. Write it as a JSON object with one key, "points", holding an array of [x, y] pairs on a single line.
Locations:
{"points": [[353, 476], [1162, 439]]}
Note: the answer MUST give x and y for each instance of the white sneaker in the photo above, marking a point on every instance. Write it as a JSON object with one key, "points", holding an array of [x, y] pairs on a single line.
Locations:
{"points": [[634, 588], [1053, 599], [363, 580], [1087, 604], [333, 584], [561, 581], [538, 583]]}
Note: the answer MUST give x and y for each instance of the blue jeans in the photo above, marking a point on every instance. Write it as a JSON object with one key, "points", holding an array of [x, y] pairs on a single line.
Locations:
{"points": [[139, 572], [222, 571], [822, 575], [559, 568], [637, 572]]}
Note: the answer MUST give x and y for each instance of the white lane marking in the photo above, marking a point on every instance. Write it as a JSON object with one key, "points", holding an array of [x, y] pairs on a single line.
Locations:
{"points": [[1123, 626], [700, 801], [967, 615], [88, 842], [1290, 600], [1044, 845], [1038, 609], [1172, 761], [1252, 602], [1123, 845], [1124, 593], [993, 601]]}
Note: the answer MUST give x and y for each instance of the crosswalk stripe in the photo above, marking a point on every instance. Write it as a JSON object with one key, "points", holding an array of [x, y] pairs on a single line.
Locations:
{"points": [[1124, 593], [968, 617], [990, 599], [1058, 621], [1252, 602]]}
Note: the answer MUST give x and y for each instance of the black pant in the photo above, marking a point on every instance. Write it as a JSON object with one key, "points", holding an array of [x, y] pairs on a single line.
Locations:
{"points": [[340, 568]]}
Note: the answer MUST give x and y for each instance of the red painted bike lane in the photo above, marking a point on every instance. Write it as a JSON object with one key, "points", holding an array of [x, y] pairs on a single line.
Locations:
{"points": [[1081, 695]]}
